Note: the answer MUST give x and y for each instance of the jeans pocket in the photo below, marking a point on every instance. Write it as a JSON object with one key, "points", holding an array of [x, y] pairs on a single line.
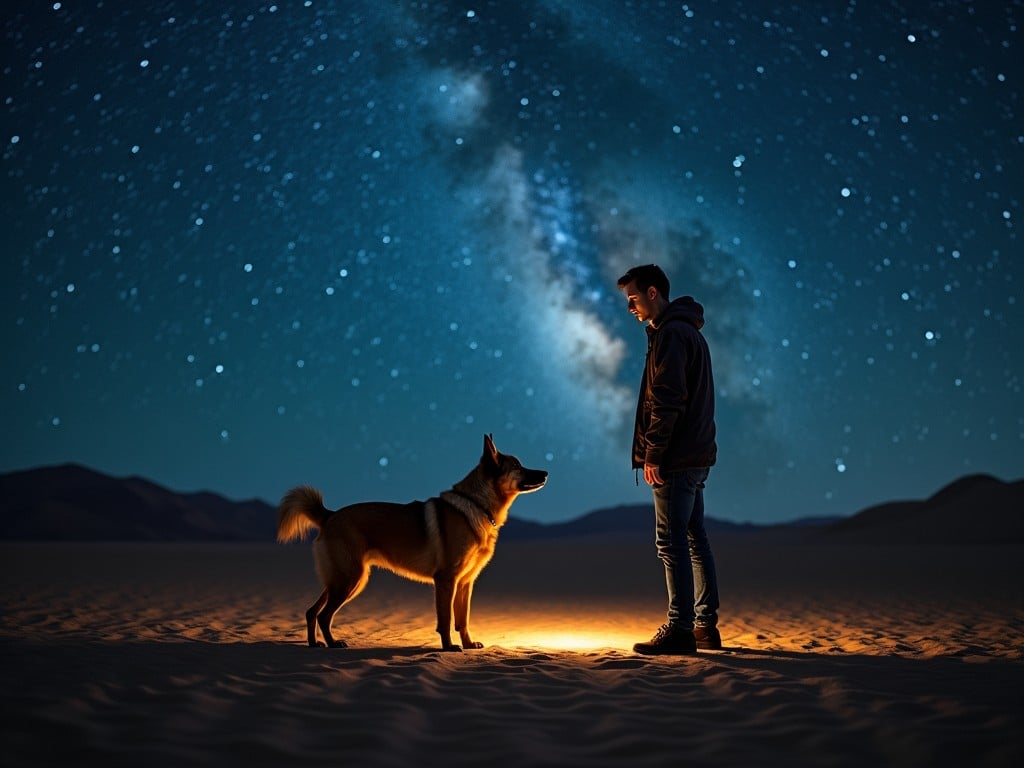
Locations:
{"points": [[695, 478]]}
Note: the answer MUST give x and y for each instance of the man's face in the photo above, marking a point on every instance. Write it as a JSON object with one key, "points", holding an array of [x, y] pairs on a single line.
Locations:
{"points": [[640, 303]]}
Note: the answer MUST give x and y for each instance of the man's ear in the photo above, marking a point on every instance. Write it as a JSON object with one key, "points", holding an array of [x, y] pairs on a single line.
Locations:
{"points": [[652, 293]]}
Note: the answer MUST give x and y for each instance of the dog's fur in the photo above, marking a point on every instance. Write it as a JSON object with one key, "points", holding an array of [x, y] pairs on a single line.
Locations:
{"points": [[446, 540]]}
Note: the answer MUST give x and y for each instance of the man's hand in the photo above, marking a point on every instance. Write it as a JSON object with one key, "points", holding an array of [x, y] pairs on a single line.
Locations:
{"points": [[652, 475]]}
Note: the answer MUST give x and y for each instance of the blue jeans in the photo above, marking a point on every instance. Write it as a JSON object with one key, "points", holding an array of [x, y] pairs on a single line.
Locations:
{"points": [[683, 547]]}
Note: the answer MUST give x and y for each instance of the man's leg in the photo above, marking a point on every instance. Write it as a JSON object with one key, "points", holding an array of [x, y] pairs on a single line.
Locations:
{"points": [[705, 577], [673, 504], [673, 508]]}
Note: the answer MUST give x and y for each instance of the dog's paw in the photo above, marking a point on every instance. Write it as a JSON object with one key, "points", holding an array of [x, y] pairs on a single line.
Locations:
{"points": [[451, 649], [338, 644], [474, 645]]}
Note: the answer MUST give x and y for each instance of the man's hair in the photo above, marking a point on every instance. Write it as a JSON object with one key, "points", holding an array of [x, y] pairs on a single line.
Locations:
{"points": [[645, 276]]}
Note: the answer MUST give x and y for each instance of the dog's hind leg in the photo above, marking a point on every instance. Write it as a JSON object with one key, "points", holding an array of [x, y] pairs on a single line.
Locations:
{"points": [[311, 613], [463, 596], [444, 595], [330, 607], [338, 594]]}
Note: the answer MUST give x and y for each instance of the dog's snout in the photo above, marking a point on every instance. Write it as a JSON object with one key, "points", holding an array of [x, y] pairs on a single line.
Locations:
{"points": [[535, 479]]}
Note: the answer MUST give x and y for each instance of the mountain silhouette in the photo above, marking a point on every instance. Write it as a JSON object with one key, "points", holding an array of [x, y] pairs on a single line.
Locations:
{"points": [[70, 502], [976, 509]]}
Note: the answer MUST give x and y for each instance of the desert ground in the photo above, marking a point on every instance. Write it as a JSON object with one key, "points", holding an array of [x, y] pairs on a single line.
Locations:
{"points": [[194, 654]]}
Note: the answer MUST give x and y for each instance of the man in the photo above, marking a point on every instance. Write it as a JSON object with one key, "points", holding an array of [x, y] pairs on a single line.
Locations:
{"points": [[674, 444]]}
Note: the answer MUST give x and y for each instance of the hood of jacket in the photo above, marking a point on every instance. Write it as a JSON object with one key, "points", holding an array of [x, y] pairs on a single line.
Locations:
{"points": [[685, 308]]}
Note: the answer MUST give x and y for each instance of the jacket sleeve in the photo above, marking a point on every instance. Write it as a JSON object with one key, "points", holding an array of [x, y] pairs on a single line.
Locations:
{"points": [[667, 391]]}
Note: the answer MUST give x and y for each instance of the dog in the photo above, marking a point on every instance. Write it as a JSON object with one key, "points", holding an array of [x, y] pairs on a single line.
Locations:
{"points": [[446, 540]]}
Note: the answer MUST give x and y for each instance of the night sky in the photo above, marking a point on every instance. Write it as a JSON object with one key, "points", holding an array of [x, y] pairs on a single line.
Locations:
{"points": [[254, 245]]}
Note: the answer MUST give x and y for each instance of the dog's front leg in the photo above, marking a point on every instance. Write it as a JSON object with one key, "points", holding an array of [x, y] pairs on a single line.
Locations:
{"points": [[444, 594], [463, 595]]}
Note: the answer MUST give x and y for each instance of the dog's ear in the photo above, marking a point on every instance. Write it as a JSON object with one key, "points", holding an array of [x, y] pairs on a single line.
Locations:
{"points": [[490, 452]]}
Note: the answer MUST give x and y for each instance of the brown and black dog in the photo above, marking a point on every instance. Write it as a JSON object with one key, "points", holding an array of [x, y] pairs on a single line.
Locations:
{"points": [[446, 540]]}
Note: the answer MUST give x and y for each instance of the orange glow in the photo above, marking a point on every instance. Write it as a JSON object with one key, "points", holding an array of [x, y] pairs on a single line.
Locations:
{"points": [[574, 640], [567, 628]]}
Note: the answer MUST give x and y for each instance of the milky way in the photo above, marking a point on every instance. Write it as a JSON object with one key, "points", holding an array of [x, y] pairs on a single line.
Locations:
{"points": [[337, 242]]}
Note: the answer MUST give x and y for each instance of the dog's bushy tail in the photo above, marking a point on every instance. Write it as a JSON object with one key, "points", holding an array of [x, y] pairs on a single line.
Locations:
{"points": [[301, 511]]}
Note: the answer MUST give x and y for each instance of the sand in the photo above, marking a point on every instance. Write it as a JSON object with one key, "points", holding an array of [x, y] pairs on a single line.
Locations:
{"points": [[186, 654]]}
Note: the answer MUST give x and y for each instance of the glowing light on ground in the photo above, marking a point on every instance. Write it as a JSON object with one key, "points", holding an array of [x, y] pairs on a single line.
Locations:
{"points": [[569, 628], [572, 640]]}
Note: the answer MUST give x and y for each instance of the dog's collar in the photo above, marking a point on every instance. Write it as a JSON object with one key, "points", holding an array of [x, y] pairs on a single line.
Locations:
{"points": [[473, 502]]}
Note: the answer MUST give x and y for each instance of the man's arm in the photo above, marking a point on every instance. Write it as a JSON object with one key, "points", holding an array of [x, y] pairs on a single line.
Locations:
{"points": [[669, 396]]}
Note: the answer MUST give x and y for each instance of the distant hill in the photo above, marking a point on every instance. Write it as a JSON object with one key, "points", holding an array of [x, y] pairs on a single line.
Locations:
{"points": [[626, 520], [73, 503], [976, 509], [70, 502]]}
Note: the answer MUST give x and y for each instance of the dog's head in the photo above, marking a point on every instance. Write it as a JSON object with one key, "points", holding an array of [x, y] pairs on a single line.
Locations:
{"points": [[510, 476]]}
